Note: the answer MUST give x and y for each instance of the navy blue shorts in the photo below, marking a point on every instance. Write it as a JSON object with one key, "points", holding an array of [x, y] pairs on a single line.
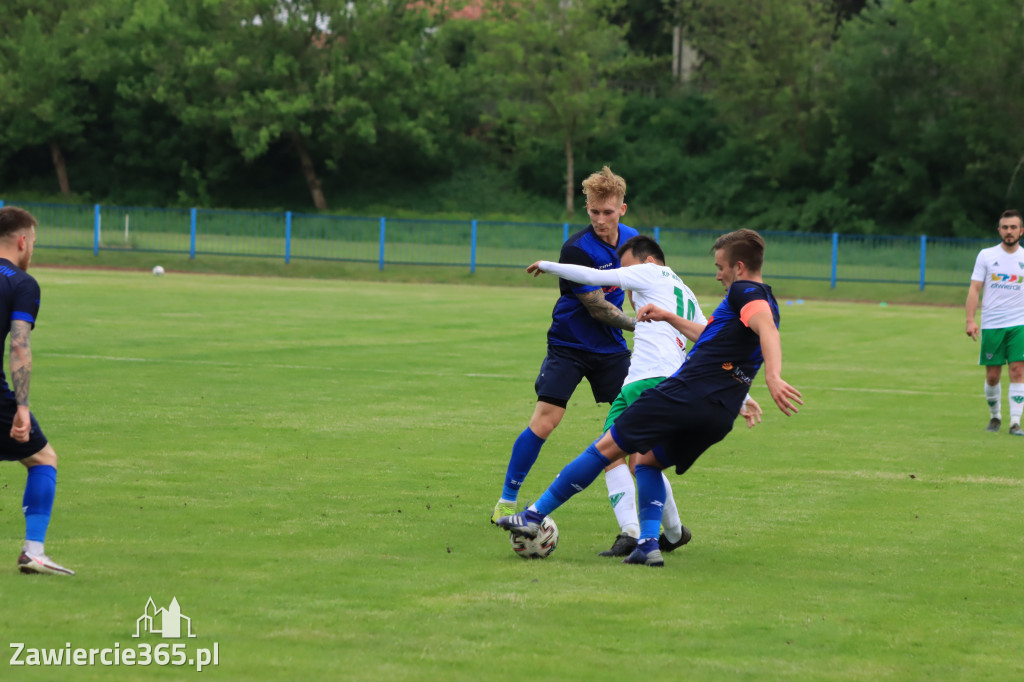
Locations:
{"points": [[677, 423], [564, 368], [10, 449]]}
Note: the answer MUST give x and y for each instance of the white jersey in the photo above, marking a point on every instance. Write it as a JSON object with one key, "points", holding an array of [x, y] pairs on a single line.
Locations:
{"points": [[1002, 278], [658, 349]]}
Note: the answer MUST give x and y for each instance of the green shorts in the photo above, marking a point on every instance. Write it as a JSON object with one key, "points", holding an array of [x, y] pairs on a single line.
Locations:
{"points": [[627, 395], [1000, 346]]}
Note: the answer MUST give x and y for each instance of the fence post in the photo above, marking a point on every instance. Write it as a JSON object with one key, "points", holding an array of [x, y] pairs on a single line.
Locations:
{"points": [[192, 237], [287, 237], [565, 232], [380, 261], [924, 249], [657, 234], [472, 248], [835, 257], [96, 230]]}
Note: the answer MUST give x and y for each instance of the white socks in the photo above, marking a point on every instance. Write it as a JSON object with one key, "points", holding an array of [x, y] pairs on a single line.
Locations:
{"points": [[622, 495], [670, 515], [1016, 395], [992, 394]]}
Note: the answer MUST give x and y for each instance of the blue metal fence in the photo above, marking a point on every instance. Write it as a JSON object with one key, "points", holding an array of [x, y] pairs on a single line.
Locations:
{"points": [[479, 243]]}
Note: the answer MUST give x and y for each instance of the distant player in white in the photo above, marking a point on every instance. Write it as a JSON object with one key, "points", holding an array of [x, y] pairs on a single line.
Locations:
{"points": [[658, 351], [999, 271]]}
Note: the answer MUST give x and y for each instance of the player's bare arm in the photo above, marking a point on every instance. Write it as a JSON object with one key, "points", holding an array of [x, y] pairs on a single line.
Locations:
{"points": [[688, 328], [21, 373], [603, 311], [971, 308], [785, 396]]}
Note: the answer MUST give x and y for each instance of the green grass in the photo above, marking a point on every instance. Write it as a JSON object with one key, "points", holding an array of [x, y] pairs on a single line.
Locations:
{"points": [[702, 283], [309, 466]]}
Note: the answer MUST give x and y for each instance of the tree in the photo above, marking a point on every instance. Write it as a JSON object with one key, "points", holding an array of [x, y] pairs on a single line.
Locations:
{"points": [[50, 55], [319, 75], [926, 108], [761, 63], [550, 67]]}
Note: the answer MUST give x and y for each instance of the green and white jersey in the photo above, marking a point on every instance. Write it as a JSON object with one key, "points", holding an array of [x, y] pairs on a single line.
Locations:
{"points": [[1002, 278], [658, 349]]}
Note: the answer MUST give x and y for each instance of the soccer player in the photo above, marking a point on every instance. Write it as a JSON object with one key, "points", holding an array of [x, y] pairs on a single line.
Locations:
{"points": [[658, 351], [673, 423], [585, 337], [999, 270], [21, 439]]}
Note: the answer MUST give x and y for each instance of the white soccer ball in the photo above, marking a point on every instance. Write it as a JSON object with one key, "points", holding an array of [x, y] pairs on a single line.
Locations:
{"points": [[158, 270], [540, 546]]}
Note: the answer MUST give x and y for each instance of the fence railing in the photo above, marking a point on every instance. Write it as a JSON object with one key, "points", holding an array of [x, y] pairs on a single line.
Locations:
{"points": [[479, 244]]}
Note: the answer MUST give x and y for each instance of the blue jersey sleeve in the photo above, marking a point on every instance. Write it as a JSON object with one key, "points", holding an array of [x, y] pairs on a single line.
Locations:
{"points": [[26, 300]]}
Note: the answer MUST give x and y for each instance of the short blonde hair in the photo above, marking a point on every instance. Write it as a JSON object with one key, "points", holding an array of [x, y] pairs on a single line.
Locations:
{"points": [[604, 185]]}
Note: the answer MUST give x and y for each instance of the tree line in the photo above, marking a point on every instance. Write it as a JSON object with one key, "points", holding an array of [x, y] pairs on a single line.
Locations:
{"points": [[862, 116]]}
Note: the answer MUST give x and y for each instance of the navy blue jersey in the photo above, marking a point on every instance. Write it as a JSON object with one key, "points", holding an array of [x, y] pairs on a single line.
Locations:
{"points": [[726, 357], [571, 324], [19, 300]]}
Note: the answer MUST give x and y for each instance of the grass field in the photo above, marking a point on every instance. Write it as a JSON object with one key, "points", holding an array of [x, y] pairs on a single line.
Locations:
{"points": [[308, 466]]}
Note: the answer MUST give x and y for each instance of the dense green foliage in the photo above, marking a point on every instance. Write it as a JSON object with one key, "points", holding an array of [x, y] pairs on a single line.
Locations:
{"points": [[815, 115]]}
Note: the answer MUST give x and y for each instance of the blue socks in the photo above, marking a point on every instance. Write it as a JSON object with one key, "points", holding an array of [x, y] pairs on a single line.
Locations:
{"points": [[524, 454], [40, 489], [576, 476], [650, 490]]}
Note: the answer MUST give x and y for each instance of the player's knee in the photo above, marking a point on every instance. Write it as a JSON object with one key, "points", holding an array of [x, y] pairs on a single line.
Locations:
{"points": [[546, 419], [543, 427]]}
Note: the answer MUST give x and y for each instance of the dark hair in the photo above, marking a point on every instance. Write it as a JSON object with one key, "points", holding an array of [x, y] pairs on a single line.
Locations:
{"points": [[13, 219], [744, 246], [1011, 213], [642, 246]]}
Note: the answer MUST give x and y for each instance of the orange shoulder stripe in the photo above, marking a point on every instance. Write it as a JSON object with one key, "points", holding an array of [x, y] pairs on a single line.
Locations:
{"points": [[753, 308]]}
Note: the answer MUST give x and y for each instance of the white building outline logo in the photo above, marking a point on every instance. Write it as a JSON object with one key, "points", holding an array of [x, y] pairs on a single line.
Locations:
{"points": [[170, 621]]}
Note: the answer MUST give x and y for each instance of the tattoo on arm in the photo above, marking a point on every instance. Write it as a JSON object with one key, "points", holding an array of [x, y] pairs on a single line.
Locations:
{"points": [[603, 311], [21, 360]]}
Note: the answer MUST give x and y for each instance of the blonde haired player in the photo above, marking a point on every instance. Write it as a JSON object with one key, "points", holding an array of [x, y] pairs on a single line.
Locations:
{"points": [[585, 336]]}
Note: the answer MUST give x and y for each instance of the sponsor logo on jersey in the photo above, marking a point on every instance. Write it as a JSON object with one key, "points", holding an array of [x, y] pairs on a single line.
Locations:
{"points": [[1007, 279]]}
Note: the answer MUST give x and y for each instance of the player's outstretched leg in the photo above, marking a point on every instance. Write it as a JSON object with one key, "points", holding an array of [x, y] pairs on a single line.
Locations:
{"points": [[575, 477], [40, 489]]}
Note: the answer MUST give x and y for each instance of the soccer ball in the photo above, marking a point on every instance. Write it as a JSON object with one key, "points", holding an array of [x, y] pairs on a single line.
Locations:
{"points": [[158, 270], [540, 546]]}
